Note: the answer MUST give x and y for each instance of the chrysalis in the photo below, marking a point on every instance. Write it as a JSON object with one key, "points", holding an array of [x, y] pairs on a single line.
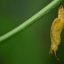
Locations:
{"points": [[55, 32]]}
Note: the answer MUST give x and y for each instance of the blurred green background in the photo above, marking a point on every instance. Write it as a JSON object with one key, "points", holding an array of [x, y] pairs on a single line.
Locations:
{"points": [[30, 46]]}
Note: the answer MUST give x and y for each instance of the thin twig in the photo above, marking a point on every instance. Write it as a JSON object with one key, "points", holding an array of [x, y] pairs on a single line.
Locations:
{"points": [[30, 20]]}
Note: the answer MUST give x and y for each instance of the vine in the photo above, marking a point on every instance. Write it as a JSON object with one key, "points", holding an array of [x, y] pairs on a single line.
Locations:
{"points": [[31, 20]]}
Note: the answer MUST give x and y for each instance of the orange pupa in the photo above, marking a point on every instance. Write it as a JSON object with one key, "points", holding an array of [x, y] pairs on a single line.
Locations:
{"points": [[55, 32]]}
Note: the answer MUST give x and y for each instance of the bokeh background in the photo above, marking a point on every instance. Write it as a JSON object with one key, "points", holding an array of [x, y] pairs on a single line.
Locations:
{"points": [[30, 46]]}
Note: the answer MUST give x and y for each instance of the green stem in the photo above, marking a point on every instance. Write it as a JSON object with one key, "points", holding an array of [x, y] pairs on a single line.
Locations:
{"points": [[30, 20]]}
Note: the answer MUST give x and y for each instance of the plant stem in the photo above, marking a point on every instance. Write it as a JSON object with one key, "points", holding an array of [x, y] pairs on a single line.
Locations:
{"points": [[30, 20]]}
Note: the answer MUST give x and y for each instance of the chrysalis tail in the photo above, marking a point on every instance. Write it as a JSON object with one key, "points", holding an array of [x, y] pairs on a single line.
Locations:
{"points": [[58, 59]]}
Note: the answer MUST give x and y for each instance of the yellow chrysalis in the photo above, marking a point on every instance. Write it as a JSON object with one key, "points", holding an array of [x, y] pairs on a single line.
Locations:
{"points": [[55, 32]]}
